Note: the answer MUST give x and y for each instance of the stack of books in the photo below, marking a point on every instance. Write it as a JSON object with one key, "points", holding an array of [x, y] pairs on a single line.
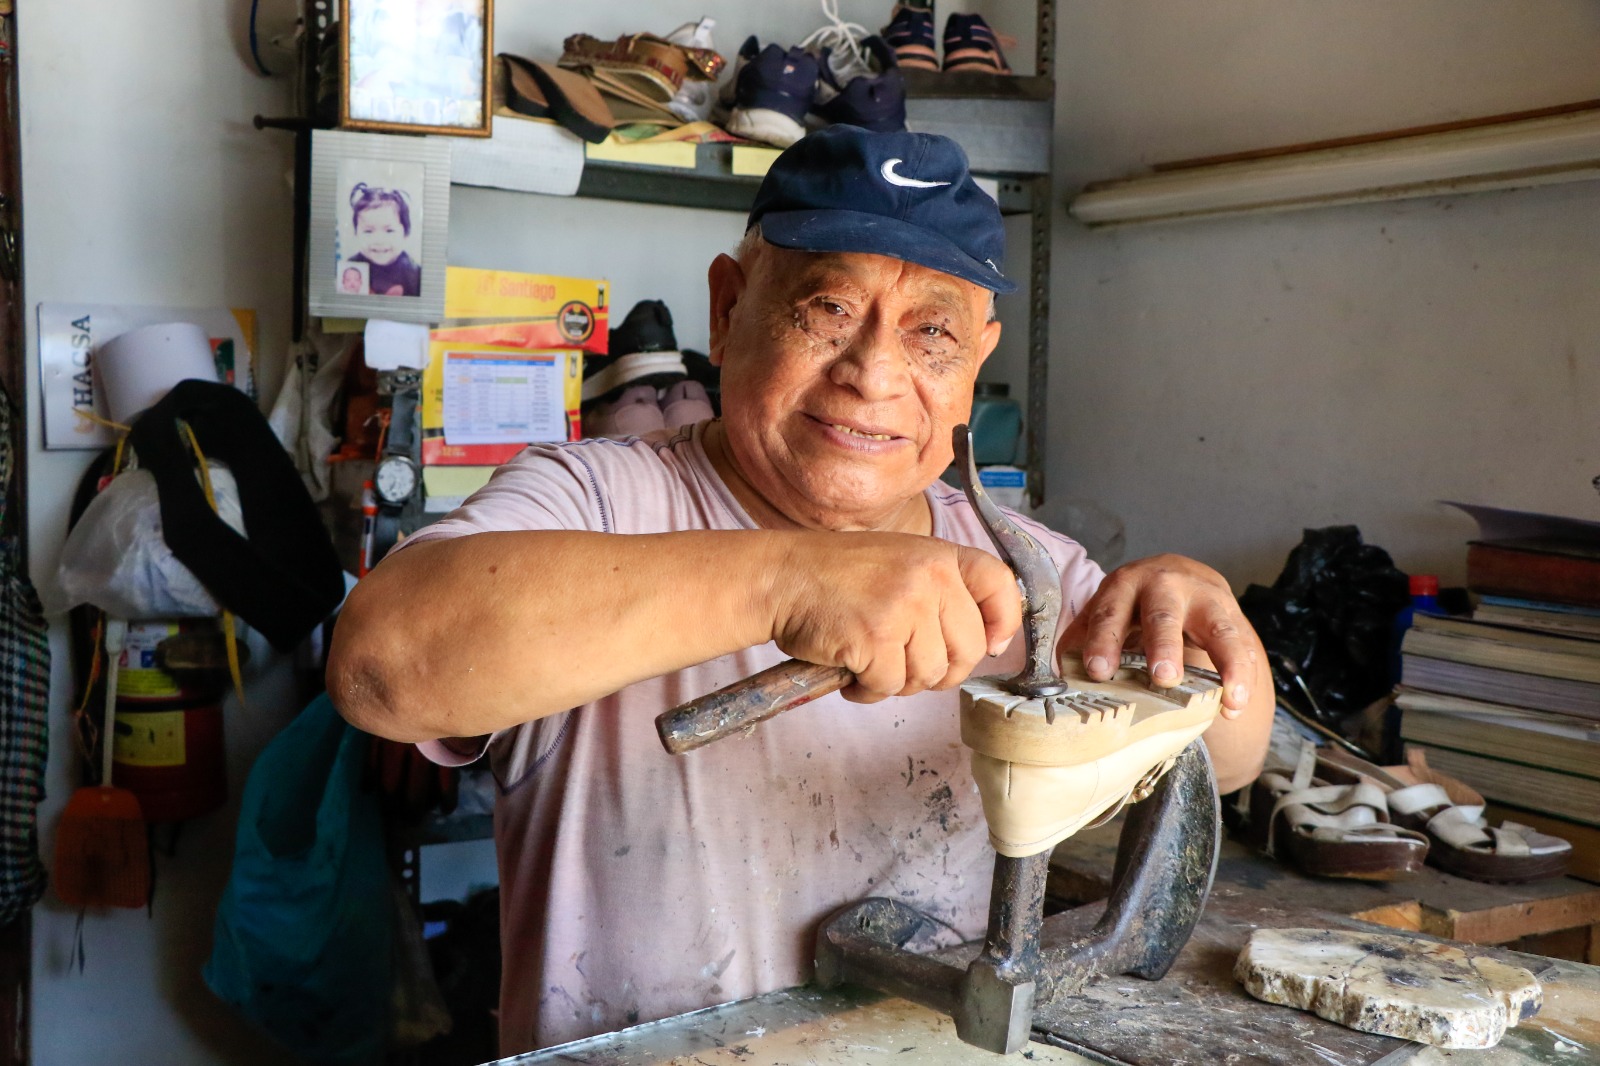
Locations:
{"points": [[1508, 699]]}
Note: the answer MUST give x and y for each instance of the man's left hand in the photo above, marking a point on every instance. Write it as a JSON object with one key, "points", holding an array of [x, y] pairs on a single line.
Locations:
{"points": [[1168, 602]]}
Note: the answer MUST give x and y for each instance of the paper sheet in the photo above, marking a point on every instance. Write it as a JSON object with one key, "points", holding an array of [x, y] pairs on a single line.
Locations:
{"points": [[523, 156], [391, 345], [1503, 524], [500, 397]]}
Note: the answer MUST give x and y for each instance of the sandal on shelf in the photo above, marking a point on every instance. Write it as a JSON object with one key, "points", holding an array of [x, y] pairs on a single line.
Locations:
{"points": [[1451, 814], [1332, 830]]}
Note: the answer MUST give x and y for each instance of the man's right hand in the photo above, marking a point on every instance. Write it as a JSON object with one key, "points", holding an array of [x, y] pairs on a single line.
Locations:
{"points": [[904, 613]]}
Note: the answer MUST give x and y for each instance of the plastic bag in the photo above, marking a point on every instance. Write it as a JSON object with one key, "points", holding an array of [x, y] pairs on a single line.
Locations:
{"points": [[1331, 613], [117, 559], [304, 937]]}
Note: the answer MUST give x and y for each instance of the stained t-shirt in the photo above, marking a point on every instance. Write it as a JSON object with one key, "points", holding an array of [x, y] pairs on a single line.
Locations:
{"points": [[637, 885]]}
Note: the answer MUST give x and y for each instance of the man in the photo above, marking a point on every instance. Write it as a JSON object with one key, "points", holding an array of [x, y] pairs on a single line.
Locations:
{"points": [[807, 522]]}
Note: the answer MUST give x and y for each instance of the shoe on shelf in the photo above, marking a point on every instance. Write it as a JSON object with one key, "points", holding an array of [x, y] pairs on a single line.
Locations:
{"points": [[633, 414], [910, 34], [685, 404], [694, 100], [643, 351], [773, 90], [874, 94], [970, 45]]}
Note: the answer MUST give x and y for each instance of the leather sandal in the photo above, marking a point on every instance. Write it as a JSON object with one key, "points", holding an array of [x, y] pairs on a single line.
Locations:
{"points": [[1451, 814], [650, 66], [1332, 830]]}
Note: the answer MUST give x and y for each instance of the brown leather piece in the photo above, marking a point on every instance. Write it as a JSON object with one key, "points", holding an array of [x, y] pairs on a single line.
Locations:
{"points": [[544, 90]]}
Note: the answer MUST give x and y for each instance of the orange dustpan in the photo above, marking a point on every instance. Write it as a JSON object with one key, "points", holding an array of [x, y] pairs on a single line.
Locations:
{"points": [[102, 853]]}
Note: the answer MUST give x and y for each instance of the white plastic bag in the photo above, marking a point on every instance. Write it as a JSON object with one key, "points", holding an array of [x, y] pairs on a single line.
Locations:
{"points": [[116, 559]]}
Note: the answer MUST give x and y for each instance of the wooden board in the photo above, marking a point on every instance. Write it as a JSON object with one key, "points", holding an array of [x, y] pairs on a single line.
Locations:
{"points": [[803, 1025], [1432, 902]]}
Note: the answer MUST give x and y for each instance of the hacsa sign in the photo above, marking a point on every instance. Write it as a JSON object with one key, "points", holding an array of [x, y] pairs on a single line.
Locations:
{"points": [[71, 334]]}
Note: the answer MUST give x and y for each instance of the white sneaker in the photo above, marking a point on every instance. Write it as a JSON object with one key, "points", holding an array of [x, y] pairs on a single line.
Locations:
{"points": [[694, 101]]}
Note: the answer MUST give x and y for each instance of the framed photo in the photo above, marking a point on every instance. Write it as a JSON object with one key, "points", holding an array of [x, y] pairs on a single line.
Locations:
{"points": [[416, 66], [380, 220]]}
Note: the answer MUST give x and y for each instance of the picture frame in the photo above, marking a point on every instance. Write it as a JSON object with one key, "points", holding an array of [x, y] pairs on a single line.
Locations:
{"points": [[416, 66], [380, 224]]}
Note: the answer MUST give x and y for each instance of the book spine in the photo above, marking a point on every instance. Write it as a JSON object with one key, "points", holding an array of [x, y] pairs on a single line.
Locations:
{"points": [[1531, 691], [1545, 791], [1494, 740], [1502, 571], [1518, 658]]}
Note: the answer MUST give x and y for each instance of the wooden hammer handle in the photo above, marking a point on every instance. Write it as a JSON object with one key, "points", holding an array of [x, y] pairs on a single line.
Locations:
{"points": [[744, 703]]}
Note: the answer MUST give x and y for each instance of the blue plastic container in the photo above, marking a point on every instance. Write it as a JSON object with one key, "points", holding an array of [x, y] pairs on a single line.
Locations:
{"points": [[996, 424]]}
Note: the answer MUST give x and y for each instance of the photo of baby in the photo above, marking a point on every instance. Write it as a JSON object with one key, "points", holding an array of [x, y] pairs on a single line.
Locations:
{"points": [[380, 228]]}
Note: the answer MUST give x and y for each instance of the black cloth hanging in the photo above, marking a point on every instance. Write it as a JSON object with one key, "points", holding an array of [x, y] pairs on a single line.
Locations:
{"points": [[283, 576]]}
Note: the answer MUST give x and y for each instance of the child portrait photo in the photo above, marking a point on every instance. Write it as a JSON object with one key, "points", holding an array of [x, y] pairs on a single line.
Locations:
{"points": [[381, 229], [380, 207]]}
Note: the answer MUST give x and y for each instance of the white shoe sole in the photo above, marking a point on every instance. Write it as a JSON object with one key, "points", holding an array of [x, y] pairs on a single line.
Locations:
{"points": [[764, 125], [632, 367], [1041, 780]]}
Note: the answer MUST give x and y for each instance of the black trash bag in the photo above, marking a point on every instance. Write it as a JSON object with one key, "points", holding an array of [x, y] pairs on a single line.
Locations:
{"points": [[1331, 613]]}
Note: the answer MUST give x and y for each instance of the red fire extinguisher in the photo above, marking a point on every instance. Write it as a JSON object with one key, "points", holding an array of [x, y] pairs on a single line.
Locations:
{"points": [[168, 748]]}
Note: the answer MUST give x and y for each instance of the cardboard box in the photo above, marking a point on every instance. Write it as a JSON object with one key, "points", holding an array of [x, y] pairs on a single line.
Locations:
{"points": [[533, 310]]}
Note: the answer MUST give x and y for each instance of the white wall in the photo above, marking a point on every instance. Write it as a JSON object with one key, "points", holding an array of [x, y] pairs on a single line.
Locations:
{"points": [[144, 183], [1222, 385]]}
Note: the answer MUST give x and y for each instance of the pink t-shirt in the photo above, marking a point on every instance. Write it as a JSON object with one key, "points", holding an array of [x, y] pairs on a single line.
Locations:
{"points": [[637, 885]]}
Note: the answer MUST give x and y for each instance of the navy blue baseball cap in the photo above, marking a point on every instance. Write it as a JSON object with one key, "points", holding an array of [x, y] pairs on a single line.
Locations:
{"points": [[904, 195]]}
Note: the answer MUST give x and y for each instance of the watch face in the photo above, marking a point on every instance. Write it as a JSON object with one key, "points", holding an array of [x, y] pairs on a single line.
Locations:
{"points": [[395, 479]]}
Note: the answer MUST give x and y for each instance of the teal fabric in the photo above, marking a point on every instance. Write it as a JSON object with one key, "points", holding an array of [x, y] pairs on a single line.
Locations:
{"points": [[303, 944]]}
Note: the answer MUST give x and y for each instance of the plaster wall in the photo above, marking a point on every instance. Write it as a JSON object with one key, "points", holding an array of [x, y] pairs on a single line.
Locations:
{"points": [[1221, 385]]}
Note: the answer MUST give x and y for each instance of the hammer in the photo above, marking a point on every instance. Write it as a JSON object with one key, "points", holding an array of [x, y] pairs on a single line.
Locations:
{"points": [[795, 682]]}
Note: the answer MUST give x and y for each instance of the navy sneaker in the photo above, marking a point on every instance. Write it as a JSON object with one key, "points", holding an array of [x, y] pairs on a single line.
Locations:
{"points": [[969, 44], [910, 34], [872, 99], [773, 90]]}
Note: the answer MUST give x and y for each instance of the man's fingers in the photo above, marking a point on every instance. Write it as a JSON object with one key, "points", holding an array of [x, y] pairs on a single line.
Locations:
{"points": [[965, 641], [1103, 627], [1235, 652], [926, 661], [1161, 618], [994, 589]]}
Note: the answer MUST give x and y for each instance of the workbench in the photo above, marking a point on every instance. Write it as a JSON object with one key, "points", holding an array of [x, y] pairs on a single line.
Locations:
{"points": [[1196, 1016]]}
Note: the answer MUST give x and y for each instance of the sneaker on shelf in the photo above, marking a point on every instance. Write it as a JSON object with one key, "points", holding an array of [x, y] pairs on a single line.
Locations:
{"points": [[694, 101], [685, 404], [970, 45], [633, 414], [643, 351], [838, 46], [910, 34], [773, 90], [874, 98]]}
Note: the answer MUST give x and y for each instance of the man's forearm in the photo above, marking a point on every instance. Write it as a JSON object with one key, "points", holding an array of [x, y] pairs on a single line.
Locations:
{"points": [[465, 636]]}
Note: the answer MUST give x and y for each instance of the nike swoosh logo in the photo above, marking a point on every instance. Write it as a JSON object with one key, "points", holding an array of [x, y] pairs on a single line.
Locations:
{"points": [[887, 170]]}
